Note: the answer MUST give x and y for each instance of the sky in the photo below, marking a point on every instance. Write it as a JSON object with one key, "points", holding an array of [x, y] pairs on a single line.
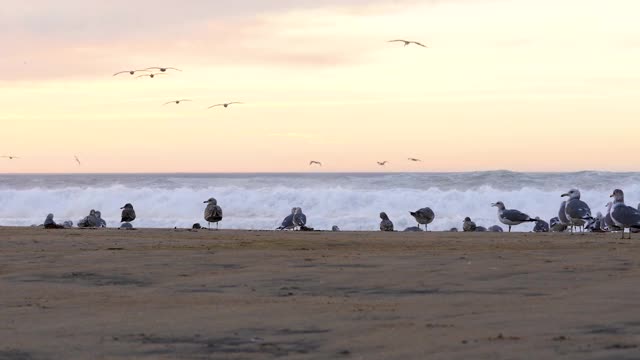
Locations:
{"points": [[523, 85]]}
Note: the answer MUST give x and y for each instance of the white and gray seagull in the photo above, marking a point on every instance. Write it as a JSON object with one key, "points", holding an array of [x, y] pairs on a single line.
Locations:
{"points": [[511, 217], [414, 159], [313, 162], [224, 104], [382, 163], [576, 210], [622, 215], [10, 157], [408, 42], [77, 160], [423, 216]]}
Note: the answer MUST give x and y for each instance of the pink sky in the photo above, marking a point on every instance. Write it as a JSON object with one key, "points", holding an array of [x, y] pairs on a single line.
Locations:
{"points": [[520, 85]]}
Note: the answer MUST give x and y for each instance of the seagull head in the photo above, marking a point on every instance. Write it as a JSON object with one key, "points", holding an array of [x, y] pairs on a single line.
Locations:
{"points": [[618, 195], [384, 216], [499, 205], [127, 206], [467, 219], [211, 201], [572, 194]]}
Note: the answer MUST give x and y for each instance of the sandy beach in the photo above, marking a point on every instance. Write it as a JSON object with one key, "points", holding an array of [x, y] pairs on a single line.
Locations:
{"points": [[177, 294]]}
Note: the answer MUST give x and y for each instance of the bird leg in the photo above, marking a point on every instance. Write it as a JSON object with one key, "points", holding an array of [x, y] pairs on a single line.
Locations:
{"points": [[623, 233], [509, 228], [217, 226]]}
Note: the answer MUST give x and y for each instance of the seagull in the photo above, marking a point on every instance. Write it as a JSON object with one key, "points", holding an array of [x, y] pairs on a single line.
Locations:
{"points": [[511, 216], [77, 160], [10, 157], [408, 42], [622, 215], [131, 72], [224, 104], [382, 163], [176, 101], [162, 69], [414, 159], [576, 210], [423, 216], [152, 75], [313, 162]]}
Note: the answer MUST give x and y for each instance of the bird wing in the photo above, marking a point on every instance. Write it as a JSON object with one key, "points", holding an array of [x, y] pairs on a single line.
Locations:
{"points": [[420, 44], [212, 106], [170, 102], [515, 215], [172, 68], [139, 76], [397, 40], [184, 100], [578, 209], [153, 68], [236, 102], [122, 72], [626, 215]]}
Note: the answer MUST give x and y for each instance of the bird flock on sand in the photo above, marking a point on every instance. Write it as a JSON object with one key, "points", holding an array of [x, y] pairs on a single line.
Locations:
{"points": [[573, 213], [154, 71]]}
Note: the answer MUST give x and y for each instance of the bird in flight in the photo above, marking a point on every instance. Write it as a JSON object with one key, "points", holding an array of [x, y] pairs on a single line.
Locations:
{"points": [[408, 42], [313, 162], [152, 75], [77, 160], [225, 104], [382, 163], [131, 72], [414, 159], [176, 101], [10, 157], [162, 69]]}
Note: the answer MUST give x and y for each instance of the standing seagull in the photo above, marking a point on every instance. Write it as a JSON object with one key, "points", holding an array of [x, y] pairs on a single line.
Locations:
{"points": [[177, 102], [130, 72], [622, 215], [77, 160], [511, 217], [313, 162], [385, 224], [10, 157], [576, 210], [408, 42], [128, 214], [299, 219], [382, 163], [162, 69], [213, 212], [562, 215], [468, 225], [224, 104], [423, 216], [414, 159]]}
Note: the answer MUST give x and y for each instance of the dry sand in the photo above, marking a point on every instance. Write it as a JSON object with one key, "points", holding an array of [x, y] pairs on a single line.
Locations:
{"points": [[165, 294]]}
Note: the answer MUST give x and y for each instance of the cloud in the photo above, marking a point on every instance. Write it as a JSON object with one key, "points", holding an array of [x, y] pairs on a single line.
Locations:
{"points": [[73, 38]]}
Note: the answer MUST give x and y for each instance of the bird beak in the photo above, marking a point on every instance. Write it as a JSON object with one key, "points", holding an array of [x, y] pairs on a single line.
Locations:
{"points": [[204, 202], [564, 195], [611, 195], [494, 204], [122, 208]]}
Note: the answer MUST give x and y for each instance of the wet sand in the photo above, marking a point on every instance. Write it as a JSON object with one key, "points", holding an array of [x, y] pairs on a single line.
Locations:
{"points": [[165, 294]]}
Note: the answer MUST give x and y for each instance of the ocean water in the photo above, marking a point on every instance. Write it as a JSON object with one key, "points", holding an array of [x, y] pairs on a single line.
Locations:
{"points": [[260, 201]]}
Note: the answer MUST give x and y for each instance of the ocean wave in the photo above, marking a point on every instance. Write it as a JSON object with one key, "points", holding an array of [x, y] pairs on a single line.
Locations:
{"points": [[351, 201]]}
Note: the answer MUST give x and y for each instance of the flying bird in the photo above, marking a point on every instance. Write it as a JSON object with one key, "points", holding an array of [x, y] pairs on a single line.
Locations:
{"points": [[313, 162], [10, 157], [224, 104], [77, 160], [152, 75], [408, 42], [382, 163], [162, 69], [414, 159], [131, 72], [176, 101]]}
